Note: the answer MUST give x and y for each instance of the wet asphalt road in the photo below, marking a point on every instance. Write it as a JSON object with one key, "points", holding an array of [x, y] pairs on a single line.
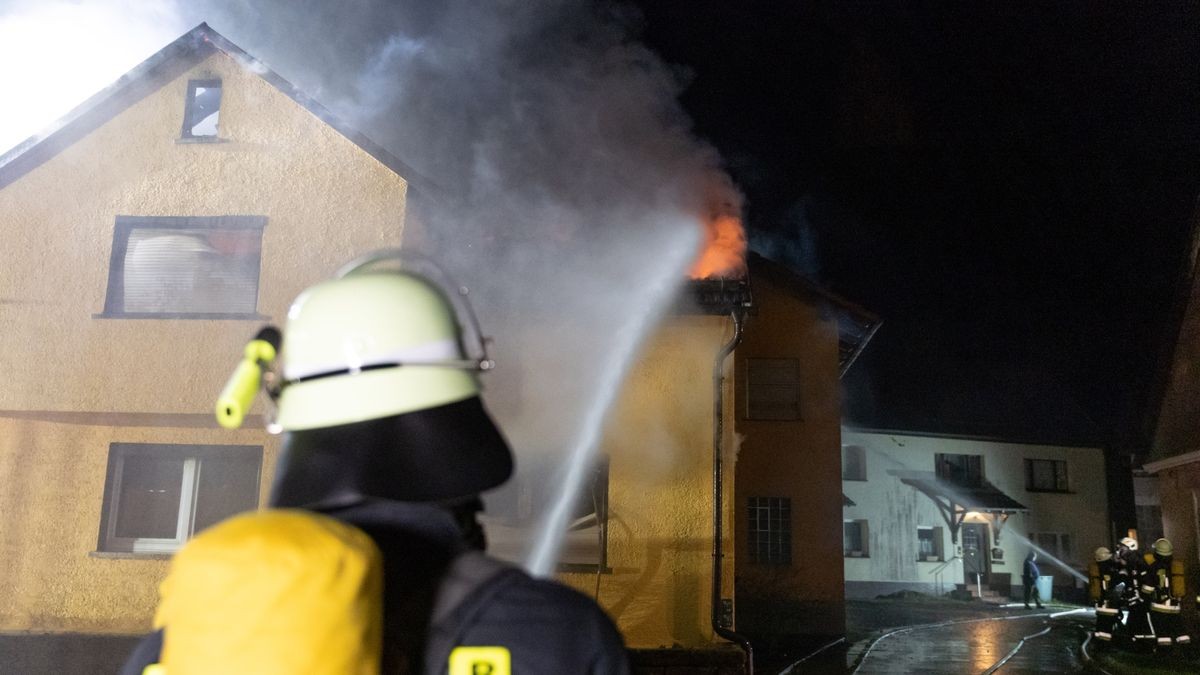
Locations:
{"points": [[981, 646]]}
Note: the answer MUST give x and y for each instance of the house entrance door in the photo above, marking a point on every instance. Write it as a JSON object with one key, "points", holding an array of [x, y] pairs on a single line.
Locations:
{"points": [[975, 553]]}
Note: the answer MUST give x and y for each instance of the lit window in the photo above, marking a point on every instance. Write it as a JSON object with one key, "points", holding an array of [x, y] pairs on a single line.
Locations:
{"points": [[170, 267], [157, 496], [855, 539], [854, 462], [929, 543], [773, 389], [203, 109], [770, 531], [1046, 475]]}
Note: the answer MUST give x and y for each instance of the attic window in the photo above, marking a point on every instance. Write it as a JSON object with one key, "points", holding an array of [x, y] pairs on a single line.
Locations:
{"points": [[203, 109]]}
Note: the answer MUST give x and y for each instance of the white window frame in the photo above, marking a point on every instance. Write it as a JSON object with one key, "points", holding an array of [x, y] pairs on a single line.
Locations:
{"points": [[189, 493], [938, 549], [776, 538], [183, 525]]}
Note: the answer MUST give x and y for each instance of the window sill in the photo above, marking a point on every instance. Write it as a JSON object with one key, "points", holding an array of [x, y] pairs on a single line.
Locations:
{"points": [[1049, 491], [582, 568], [129, 555], [191, 140], [931, 560], [853, 480], [855, 555], [181, 315]]}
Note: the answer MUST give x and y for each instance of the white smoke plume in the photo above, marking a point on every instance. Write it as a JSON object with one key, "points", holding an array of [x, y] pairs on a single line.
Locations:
{"points": [[54, 54]]}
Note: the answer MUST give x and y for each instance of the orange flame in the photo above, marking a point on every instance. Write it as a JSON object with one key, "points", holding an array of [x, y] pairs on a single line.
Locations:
{"points": [[724, 253]]}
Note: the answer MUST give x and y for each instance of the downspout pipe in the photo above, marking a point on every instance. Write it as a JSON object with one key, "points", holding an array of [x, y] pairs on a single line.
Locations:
{"points": [[738, 315]]}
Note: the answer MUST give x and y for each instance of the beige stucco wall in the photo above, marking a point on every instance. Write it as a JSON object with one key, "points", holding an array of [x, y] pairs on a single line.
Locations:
{"points": [[659, 442], [797, 459], [52, 579], [325, 201]]}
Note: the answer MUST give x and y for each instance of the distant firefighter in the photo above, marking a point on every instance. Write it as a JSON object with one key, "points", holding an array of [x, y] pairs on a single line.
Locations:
{"points": [[1104, 593], [1131, 571], [1162, 588]]}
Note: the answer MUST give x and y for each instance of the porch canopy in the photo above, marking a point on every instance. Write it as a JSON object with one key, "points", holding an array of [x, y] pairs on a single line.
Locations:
{"points": [[955, 500]]}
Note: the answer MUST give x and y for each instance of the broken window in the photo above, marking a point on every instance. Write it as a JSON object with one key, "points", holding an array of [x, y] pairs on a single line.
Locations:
{"points": [[960, 470], [1046, 475], [171, 267], [855, 539], [770, 531], [203, 109], [854, 462], [157, 496], [929, 543], [773, 389]]}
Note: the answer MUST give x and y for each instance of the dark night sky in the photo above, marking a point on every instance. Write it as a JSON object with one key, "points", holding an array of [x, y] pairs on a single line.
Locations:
{"points": [[1010, 188]]}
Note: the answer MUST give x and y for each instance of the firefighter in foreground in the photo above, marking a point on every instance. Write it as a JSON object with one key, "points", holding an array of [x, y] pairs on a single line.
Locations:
{"points": [[386, 434], [1162, 590], [1104, 594]]}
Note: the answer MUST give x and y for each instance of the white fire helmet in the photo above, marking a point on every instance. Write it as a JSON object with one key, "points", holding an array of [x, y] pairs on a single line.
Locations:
{"points": [[1103, 554], [380, 398], [1163, 548], [1130, 543]]}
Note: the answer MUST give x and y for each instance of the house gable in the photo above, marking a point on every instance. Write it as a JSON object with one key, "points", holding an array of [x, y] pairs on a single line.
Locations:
{"points": [[323, 197], [148, 77]]}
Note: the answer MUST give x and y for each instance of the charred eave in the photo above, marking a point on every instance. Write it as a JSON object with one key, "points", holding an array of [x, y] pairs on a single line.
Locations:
{"points": [[714, 297]]}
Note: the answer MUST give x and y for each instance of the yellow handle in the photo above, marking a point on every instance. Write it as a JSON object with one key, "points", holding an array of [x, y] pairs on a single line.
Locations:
{"points": [[237, 397]]}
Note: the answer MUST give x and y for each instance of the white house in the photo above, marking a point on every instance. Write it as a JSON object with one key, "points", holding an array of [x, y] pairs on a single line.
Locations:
{"points": [[931, 513]]}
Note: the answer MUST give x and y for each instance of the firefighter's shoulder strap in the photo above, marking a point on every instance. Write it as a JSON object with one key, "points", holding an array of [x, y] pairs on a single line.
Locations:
{"points": [[471, 582], [276, 592]]}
